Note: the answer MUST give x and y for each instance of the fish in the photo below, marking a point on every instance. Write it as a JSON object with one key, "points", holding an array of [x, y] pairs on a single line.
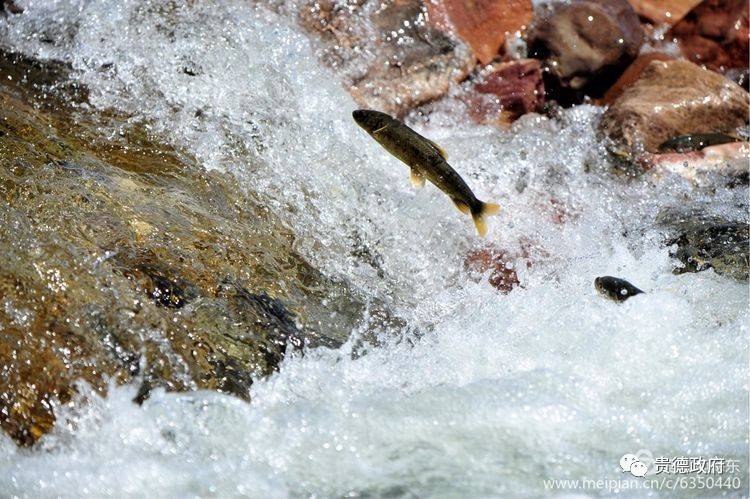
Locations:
{"points": [[696, 141], [615, 289], [427, 160]]}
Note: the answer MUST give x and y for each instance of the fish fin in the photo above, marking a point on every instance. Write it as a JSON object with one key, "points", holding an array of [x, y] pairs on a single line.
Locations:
{"points": [[487, 209], [417, 179], [439, 149], [490, 209], [462, 207]]}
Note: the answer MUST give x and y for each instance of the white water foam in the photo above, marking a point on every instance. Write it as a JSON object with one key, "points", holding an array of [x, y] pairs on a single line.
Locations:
{"points": [[496, 392]]}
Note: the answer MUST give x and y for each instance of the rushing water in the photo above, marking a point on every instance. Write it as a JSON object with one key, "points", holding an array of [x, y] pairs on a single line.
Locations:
{"points": [[480, 394]]}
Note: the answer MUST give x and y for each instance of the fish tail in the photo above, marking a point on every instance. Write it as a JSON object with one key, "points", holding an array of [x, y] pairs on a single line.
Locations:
{"points": [[479, 216]]}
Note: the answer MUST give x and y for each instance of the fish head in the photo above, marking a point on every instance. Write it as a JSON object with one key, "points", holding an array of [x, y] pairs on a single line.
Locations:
{"points": [[371, 121], [609, 286], [600, 283]]}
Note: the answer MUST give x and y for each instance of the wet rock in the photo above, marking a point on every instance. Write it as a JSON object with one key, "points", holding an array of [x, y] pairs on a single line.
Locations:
{"points": [[264, 313], [504, 91], [720, 246], [673, 98], [483, 24], [10, 6], [696, 141], [663, 11], [585, 44], [116, 257], [389, 56], [715, 34], [341, 26], [631, 75], [560, 211], [155, 280], [499, 263], [722, 165], [702, 240]]}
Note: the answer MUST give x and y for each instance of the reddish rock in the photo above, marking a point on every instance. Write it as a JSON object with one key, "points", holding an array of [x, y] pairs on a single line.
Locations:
{"points": [[505, 91], [390, 58], [586, 45], [674, 98], [631, 75], [482, 24], [503, 276], [561, 212], [729, 160], [663, 11], [715, 34]]}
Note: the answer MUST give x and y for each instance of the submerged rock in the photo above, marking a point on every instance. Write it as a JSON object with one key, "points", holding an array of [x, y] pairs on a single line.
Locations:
{"points": [[504, 91], [703, 241], [586, 45], [715, 34], [388, 55], [674, 98], [125, 260], [500, 265], [483, 24]]}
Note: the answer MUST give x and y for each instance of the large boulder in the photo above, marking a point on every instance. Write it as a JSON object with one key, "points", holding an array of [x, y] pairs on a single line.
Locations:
{"points": [[123, 260], [586, 45], [632, 75], [674, 98]]}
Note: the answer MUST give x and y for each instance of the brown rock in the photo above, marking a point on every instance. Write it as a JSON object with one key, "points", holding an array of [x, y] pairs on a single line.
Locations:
{"points": [[129, 262], [505, 91], [586, 45], [503, 276], [663, 11], [631, 75], [674, 98], [390, 58], [715, 34], [482, 24]]}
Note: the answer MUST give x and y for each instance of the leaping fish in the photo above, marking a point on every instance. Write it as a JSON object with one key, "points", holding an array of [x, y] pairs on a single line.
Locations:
{"points": [[427, 160]]}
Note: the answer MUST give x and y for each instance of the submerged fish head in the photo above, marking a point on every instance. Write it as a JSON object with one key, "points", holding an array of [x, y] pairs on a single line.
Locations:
{"points": [[600, 283], [370, 120], [615, 288]]}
